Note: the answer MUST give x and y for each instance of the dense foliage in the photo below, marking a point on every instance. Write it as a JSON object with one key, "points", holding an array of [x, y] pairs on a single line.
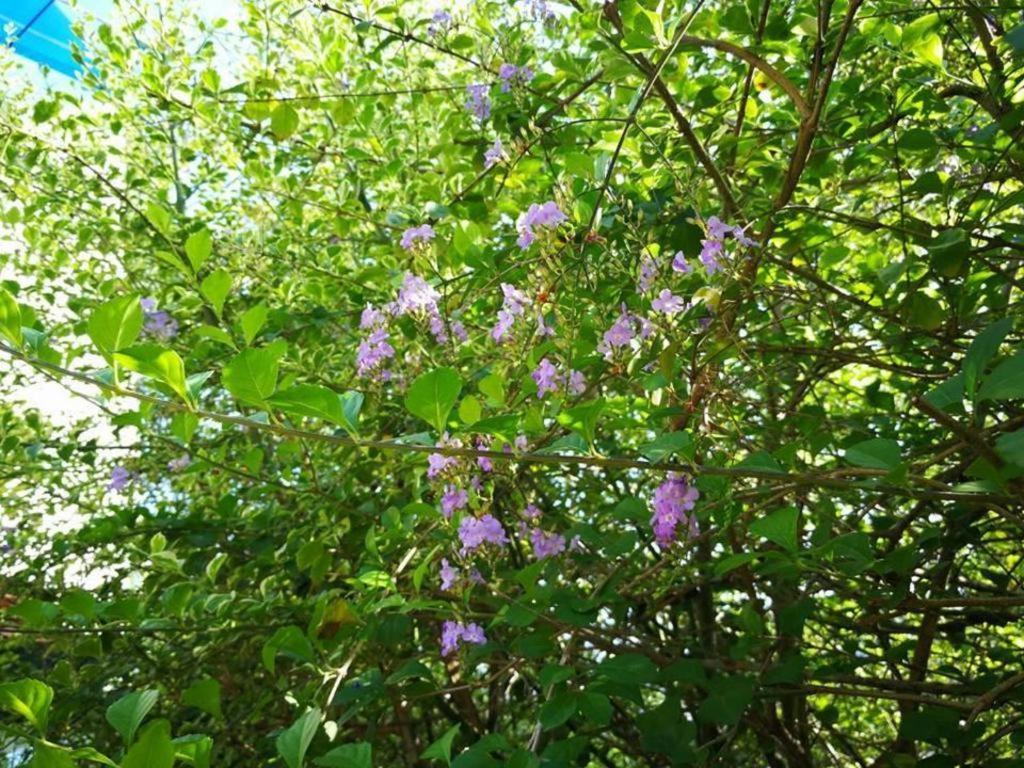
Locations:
{"points": [[563, 384]]}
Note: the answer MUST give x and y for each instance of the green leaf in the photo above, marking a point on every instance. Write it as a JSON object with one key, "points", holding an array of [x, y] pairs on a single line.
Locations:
{"points": [[432, 396], [205, 695], [252, 321], [156, 362], [1011, 447], [284, 121], [469, 410], [29, 699], [293, 742], [159, 217], [631, 668], [665, 445], [153, 749], [357, 755], [583, 418], [983, 349], [50, 756], [10, 317], [198, 247], [948, 252], [877, 453], [780, 527], [194, 749], [251, 376], [215, 289], [128, 712], [319, 402], [558, 709], [115, 325], [492, 387], [727, 698], [442, 748], [289, 640], [1006, 380]]}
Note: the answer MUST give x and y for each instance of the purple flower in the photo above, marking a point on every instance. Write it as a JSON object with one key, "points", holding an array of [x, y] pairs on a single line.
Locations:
{"points": [[453, 633], [148, 304], [543, 329], [620, 334], [576, 384], [672, 500], [532, 512], [741, 237], [544, 215], [437, 463], [513, 306], [546, 376], [372, 352], [668, 303], [449, 574], [511, 76], [179, 464], [478, 100], [437, 328], [717, 229], [415, 295], [679, 263], [485, 464], [648, 274], [494, 155], [710, 252], [538, 10], [452, 500], [546, 545], [521, 443], [160, 325], [474, 532], [439, 23], [119, 479], [372, 317], [415, 237], [459, 331]]}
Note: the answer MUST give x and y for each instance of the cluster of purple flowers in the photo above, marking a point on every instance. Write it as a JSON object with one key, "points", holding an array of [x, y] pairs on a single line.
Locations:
{"points": [[474, 532], [546, 545], [546, 216], [648, 274], [440, 21], [179, 464], [453, 499], [375, 348], [439, 465], [713, 247], [119, 479], [672, 500], [680, 264], [417, 237], [550, 381], [494, 155], [450, 575], [538, 10], [478, 100], [622, 332], [668, 302], [513, 305], [454, 633], [512, 76], [158, 323]]}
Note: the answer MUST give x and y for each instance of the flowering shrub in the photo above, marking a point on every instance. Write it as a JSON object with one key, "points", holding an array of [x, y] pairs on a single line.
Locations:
{"points": [[515, 384]]}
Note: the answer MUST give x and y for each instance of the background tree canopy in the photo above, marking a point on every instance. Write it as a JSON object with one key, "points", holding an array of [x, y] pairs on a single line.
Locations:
{"points": [[534, 384]]}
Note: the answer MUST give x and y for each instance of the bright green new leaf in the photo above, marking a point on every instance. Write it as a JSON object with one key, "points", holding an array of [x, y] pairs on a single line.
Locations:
{"points": [[432, 396], [116, 325], [441, 749], [358, 755], [251, 376], [128, 712], [293, 742], [1006, 380], [205, 695], [153, 749], [156, 362], [876, 453], [198, 248], [10, 317], [29, 699], [215, 289]]}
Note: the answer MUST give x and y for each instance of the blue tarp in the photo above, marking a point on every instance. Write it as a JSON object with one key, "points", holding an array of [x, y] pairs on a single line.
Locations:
{"points": [[42, 30]]}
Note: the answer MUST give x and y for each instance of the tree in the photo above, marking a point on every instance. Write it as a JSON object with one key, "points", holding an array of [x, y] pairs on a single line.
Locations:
{"points": [[608, 384]]}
